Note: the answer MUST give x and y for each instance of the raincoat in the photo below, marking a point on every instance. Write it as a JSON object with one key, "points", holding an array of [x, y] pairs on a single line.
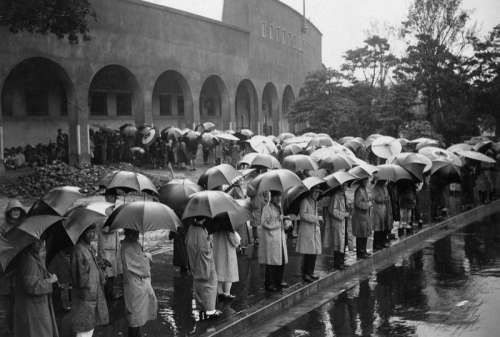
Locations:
{"points": [[33, 312], [309, 234], [256, 204], [140, 300], [108, 248], [361, 221], [226, 261], [335, 222], [89, 307], [380, 211], [272, 245], [9, 222], [201, 261]]}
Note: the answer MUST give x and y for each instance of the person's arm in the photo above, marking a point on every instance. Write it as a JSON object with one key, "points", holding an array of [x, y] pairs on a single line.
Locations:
{"points": [[234, 239], [32, 279], [267, 219], [360, 200], [336, 210], [81, 269], [307, 214]]}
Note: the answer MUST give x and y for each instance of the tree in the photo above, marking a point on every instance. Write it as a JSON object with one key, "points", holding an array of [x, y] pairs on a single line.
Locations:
{"points": [[63, 18]]}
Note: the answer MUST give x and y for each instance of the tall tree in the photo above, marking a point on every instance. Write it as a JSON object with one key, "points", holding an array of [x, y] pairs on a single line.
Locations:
{"points": [[63, 18]]}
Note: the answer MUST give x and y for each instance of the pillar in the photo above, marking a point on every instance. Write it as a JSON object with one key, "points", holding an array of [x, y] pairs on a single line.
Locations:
{"points": [[78, 120]]}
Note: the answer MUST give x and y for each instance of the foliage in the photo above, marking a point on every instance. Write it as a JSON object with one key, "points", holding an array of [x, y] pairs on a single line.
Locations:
{"points": [[63, 18]]}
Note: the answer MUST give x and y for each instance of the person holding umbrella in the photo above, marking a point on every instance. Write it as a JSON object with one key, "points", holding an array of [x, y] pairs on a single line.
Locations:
{"points": [[382, 219], [361, 221], [90, 308], [272, 248], [33, 311]]}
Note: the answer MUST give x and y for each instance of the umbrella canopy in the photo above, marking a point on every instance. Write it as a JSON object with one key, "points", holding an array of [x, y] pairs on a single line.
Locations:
{"points": [[339, 178], [207, 126], [292, 198], [371, 138], [278, 180], [326, 152], [36, 225], [262, 160], [137, 150], [354, 144], [209, 204], [262, 144], [171, 133], [478, 156], [445, 171], [131, 181], [11, 244], [312, 182], [392, 172], [192, 136], [57, 201], [299, 162], [208, 139], [436, 153], [176, 193], [223, 174], [292, 149], [322, 141], [363, 171], [335, 162], [149, 136], [221, 135], [128, 130], [244, 134], [285, 135], [424, 142], [483, 146], [80, 218], [301, 141], [274, 139], [386, 147], [143, 216], [310, 134], [460, 147]]}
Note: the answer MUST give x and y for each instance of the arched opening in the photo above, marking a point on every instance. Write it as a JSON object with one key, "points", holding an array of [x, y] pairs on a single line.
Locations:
{"points": [[172, 100], [246, 105], [37, 100], [214, 102], [114, 91], [270, 109], [287, 104]]}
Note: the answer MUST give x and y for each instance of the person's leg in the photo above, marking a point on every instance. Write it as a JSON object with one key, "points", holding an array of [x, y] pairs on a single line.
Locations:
{"points": [[359, 247], [226, 288], [86, 333], [134, 331], [312, 266], [220, 288], [267, 276], [278, 276]]}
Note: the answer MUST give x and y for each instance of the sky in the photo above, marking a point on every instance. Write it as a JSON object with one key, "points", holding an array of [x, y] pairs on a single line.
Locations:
{"points": [[345, 23]]}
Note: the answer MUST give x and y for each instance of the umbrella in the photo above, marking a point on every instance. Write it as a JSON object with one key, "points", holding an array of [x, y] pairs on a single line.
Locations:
{"points": [[191, 136], [291, 149], [149, 135], [312, 182], [57, 201], [274, 139], [415, 163], [460, 147], [128, 130], [11, 244], [208, 139], [131, 181], [278, 180], [207, 126], [436, 153], [445, 171], [310, 134], [392, 172], [335, 162], [424, 142], [221, 135], [477, 156], [371, 138], [292, 198], [209, 204], [386, 147], [338, 179], [80, 218], [171, 133], [301, 141], [36, 225], [354, 145], [326, 152], [263, 160], [176, 193], [262, 144], [137, 150], [244, 134], [299, 162], [285, 135], [363, 171], [483, 146], [403, 141], [223, 174], [322, 141], [143, 216]]}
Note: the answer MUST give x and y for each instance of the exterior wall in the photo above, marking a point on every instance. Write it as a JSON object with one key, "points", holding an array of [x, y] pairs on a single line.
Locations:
{"points": [[148, 40]]}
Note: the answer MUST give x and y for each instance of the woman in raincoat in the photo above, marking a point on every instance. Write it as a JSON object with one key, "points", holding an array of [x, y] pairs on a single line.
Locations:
{"points": [[226, 261], [309, 235], [201, 261], [380, 214], [272, 247], [361, 221], [33, 311], [89, 303], [336, 217], [139, 296]]}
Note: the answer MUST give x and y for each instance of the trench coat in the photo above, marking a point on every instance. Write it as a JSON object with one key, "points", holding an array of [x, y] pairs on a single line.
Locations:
{"points": [[89, 307], [335, 222], [108, 248], [201, 261], [33, 311], [272, 244], [226, 261], [309, 234], [140, 300], [257, 203], [380, 211], [361, 221]]}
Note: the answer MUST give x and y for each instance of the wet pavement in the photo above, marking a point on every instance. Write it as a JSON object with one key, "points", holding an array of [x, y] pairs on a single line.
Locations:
{"points": [[451, 288]]}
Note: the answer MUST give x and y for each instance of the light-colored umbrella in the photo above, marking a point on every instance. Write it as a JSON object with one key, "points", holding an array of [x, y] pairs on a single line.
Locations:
{"points": [[278, 180], [339, 178], [436, 153], [38, 224], [131, 181], [292, 149], [221, 135], [322, 141], [424, 142], [478, 156], [392, 172], [325, 152], [312, 182], [371, 138], [57, 201], [386, 147], [176, 193], [262, 144], [285, 135], [460, 147], [209, 204], [223, 174], [258, 159], [299, 162], [363, 171], [82, 217]]}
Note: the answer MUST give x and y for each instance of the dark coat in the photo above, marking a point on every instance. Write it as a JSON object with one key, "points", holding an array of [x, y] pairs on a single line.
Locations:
{"points": [[361, 220], [88, 301], [33, 312]]}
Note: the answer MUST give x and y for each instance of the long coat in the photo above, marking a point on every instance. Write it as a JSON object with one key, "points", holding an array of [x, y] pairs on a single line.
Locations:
{"points": [[257, 203], [89, 307], [380, 211], [201, 261], [309, 234], [33, 312], [272, 244], [335, 222], [108, 245], [226, 261], [361, 221], [140, 300]]}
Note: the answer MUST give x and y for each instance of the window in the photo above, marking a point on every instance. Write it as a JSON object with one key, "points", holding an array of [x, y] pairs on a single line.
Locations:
{"points": [[180, 105], [36, 101], [271, 32], [165, 105], [278, 34], [283, 40], [264, 30], [124, 104], [290, 39], [98, 104]]}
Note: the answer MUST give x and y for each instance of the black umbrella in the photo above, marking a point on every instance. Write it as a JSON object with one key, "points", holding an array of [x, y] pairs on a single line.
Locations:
{"points": [[292, 198], [176, 193]]}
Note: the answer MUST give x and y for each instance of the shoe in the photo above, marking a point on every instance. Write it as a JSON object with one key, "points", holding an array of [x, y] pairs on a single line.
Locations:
{"points": [[272, 289], [215, 315], [284, 285], [308, 279], [228, 296], [314, 277]]}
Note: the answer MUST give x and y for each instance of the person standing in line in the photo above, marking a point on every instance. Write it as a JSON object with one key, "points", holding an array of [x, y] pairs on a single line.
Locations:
{"points": [[226, 261], [309, 235], [408, 200], [336, 217], [89, 307], [33, 310], [381, 199], [140, 300], [361, 222], [201, 261], [272, 248]]}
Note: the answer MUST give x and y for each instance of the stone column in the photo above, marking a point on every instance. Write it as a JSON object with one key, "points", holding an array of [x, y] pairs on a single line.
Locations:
{"points": [[78, 120], [148, 107]]}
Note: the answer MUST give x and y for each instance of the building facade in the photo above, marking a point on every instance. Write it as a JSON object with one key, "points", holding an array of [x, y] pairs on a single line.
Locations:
{"points": [[152, 64]]}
